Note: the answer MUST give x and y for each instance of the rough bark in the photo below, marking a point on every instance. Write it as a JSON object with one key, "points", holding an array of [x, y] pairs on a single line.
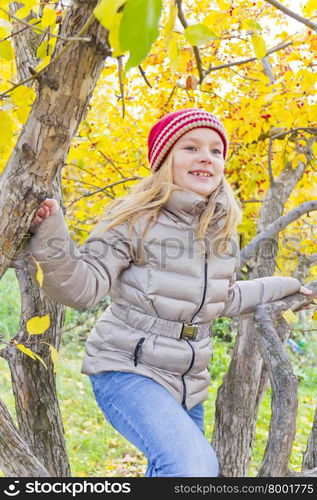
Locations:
{"points": [[310, 455], [16, 458], [30, 176], [34, 387], [238, 397], [284, 385], [284, 397], [63, 95], [25, 44]]}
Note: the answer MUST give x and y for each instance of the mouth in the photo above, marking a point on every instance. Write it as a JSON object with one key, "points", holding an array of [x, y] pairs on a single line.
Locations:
{"points": [[200, 175]]}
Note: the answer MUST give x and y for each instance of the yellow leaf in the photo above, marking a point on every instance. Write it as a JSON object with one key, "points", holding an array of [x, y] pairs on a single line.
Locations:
{"points": [[22, 113], [39, 274], [170, 23], [314, 316], [54, 355], [259, 46], [49, 17], [289, 316], [310, 7], [173, 54], [44, 63], [6, 50], [44, 50], [26, 350], [114, 35], [38, 325], [23, 95], [106, 11], [30, 353], [5, 129]]}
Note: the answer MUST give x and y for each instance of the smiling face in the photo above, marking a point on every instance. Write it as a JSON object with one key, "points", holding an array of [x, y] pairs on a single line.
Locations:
{"points": [[198, 162]]}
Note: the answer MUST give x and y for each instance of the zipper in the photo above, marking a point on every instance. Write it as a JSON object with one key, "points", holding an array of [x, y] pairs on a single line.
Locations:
{"points": [[149, 301], [193, 350], [138, 351], [205, 287], [188, 369]]}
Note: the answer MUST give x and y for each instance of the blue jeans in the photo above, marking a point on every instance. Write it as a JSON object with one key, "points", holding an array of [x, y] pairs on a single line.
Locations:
{"points": [[147, 414]]}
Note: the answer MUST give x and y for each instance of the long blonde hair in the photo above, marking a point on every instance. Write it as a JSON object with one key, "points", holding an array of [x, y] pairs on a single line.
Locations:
{"points": [[147, 197]]}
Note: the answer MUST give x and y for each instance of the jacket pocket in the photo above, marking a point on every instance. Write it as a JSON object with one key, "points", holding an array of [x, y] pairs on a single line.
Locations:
{"points": [[137, 353]]}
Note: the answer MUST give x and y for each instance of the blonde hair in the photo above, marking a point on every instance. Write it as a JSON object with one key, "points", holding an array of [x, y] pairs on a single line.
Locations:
{"points": [[147, 197]]}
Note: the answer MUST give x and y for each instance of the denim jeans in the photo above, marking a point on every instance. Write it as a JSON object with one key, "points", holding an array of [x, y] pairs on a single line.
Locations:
{"points": [[147, 414]]}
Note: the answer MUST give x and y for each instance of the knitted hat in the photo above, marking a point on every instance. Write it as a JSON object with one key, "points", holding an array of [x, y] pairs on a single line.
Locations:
{"points": [[172, 126]]}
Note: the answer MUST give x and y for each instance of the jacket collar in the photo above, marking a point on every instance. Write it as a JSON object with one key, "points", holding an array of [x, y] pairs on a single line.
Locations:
{"points": [[188, 206]]}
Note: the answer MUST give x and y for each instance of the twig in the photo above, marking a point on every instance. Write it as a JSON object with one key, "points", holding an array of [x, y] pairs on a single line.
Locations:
{"points": [[104, 188], [144, 76], [120, 71], [245, 61], [64, 49], [195, 49], [32, 26]]}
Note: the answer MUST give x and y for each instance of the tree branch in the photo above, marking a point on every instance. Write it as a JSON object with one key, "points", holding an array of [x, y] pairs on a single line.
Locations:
{"points": [[292, 14], [250, 250]]}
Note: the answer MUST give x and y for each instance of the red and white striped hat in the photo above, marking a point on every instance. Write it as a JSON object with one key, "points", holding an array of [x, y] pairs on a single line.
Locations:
{"points": [[172, 126]]}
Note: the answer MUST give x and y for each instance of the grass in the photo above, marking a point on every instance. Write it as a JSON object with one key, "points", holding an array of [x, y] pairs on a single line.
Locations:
{"points": [[95, 449]]}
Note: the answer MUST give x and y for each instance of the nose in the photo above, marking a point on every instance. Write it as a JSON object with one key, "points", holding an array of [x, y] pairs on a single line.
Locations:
{"points": [[205, 157]]}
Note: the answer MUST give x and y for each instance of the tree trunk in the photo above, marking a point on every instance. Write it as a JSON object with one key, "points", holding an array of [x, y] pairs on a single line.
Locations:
{"points": [[310, 455], [16, 458], [64, 91], [30, 176], [238, 397]]}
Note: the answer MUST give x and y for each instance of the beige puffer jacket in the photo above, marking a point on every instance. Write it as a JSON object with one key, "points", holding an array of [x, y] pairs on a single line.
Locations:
{"points": [[147, 328]]}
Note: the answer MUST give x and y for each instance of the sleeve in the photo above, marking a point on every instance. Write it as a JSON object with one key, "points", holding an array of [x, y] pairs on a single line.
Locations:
{"points": [[77, 277], [245, 295]]}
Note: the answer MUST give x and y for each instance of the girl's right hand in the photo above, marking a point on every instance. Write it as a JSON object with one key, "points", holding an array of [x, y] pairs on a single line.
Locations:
{"points": [[49, 207]]}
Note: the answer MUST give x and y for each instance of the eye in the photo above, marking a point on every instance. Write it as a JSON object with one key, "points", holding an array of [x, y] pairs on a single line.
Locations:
{"points": [[217, 150], [190, 147]]}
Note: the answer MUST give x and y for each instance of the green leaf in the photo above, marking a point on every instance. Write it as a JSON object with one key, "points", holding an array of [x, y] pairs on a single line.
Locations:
{"points": [[139, 28], [199, 34]]}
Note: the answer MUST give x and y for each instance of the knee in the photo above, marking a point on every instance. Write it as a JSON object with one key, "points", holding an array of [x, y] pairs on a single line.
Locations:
{"points": [[195, 462], [204, 463]]}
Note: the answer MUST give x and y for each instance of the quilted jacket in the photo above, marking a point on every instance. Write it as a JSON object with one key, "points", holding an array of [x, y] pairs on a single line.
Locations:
{"points": [[159, 322]]}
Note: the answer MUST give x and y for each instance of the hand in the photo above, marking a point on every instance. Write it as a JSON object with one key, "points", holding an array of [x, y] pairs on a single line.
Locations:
{"points": [[304, 290], [49, 207]]}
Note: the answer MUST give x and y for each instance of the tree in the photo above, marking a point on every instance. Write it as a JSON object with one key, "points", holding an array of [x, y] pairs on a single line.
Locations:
{"points": [[66, 63]]}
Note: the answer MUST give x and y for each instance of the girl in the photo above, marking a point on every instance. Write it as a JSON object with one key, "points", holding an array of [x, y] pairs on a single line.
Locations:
{"points": [[167, 257]]}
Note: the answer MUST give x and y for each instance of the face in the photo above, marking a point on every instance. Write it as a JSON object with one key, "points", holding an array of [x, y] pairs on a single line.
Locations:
{"points": [[195, 154]]}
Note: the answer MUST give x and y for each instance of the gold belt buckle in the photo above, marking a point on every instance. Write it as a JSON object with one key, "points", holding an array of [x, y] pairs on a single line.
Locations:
{"points": [[189, 331]]}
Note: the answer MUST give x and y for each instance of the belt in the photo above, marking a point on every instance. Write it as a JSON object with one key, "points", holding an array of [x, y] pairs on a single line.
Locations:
{"points": [[153, 324]]}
